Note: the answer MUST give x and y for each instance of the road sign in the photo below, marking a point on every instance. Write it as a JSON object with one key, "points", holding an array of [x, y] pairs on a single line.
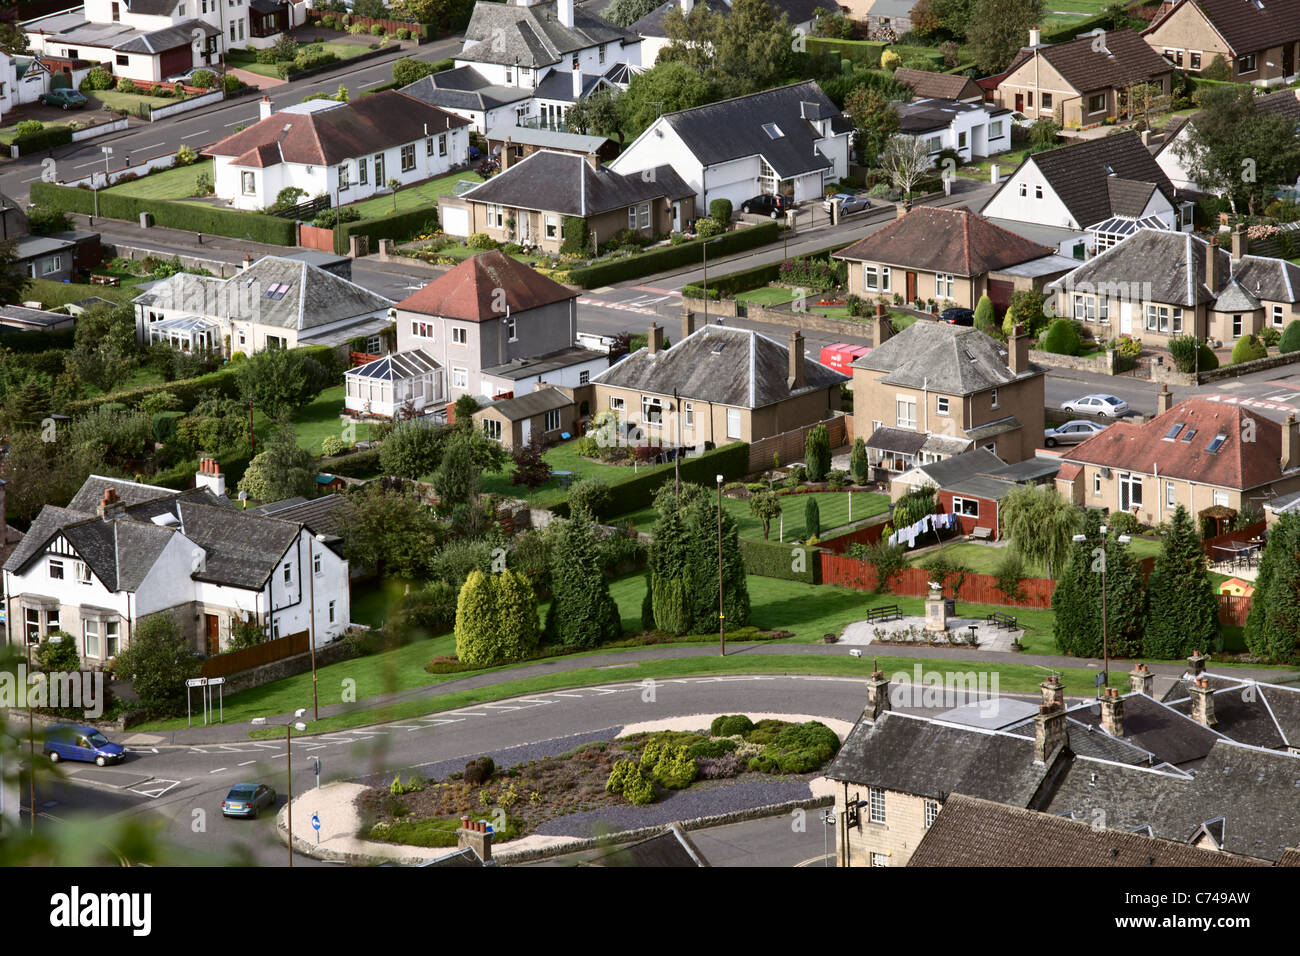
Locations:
{"points": [[196, 682], [213, 681], [315, 822]]}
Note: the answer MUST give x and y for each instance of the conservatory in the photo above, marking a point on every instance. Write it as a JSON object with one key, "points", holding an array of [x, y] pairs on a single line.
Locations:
{"points": [[384, 386], [189, 333]]}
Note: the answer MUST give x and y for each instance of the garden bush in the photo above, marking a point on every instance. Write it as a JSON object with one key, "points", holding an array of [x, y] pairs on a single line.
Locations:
{"points": [[1290, 341], [798, 749], [590, 494], [1247, 349], [97, 79], [720, 210], [729, 725], [1061, 338], [707, 228], [479, 771], [124, 85], [204, 79], [627, 778], [1269, 336], [711, 748], [481, 240]]}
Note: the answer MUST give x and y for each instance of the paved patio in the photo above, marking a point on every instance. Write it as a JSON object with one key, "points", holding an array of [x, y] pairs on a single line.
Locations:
{"points": [[990, 638]]}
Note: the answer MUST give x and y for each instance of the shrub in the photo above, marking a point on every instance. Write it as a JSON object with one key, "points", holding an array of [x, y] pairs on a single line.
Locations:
{"points": [[203, 79], [403, 33], [1061, 338], [124, 85], [628, 779], [797, 749], [672, 767], [720, 210], [812, 519], [28, 127], [481, 240], [889, 60], [817, 453], [1010, 572], [1290, 340], [479, 771], [706, 228], [332, 445], [1247, 349], [97, 79], [859, 466], [591, 495], [377, 30], [1269, 336], [730, 725], [711, 748]]}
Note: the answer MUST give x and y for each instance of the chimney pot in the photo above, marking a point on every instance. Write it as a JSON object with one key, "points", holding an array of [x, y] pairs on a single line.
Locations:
{"points": [[264, 108], [688, 322], [1203, 703]]}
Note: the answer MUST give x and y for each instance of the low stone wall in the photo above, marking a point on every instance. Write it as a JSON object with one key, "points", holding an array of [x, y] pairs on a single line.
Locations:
{"points": [[223, 269], [339, 650], [1103, 364], [1169, 374], [809, 321]]}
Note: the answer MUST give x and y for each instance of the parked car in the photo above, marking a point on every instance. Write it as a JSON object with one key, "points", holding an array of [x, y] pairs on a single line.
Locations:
{"points": [[848, 203], [1107, 406], [766, 205], [246, 799], [79, 742], [957, 316], [67, 99], [1071, 433]]}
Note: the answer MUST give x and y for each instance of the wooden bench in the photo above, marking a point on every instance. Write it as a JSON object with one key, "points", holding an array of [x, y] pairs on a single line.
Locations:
{"points": [[982, 534], [998, 619], [105, 280], [887, 612]]}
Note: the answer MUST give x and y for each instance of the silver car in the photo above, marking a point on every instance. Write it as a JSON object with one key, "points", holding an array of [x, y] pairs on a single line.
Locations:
{"points": [[848, 203], [1071, 433], [1108, 406]]}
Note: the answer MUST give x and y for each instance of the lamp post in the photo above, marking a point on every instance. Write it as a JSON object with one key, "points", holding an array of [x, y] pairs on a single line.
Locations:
{"points": [[299, 726], [705, 249], [722, 617], [31, 739], [1105, 645]]}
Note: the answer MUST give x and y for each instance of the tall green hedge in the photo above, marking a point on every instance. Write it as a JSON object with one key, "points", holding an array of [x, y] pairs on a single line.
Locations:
{"points": [[772, 560], [672, 257], [636, 491], [862, 52], [236, 224], [1078, 28], [358, 464], [233, 462], [37, 340], [44, 139], [398, 226]]}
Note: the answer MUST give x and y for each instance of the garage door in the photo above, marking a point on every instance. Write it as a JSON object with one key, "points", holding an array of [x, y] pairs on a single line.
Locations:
{"points": [[455, 220], [1000, 293]]}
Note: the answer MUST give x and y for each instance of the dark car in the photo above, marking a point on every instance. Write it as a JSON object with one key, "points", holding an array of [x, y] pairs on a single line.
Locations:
{"points": [[766, 205], [245, 799], [957, 316], [68, 99]]}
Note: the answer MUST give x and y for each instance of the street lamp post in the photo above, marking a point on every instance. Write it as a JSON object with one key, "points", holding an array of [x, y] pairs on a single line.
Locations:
{"points": [[705, 249], [311, 625], [722, 617], [299, 726]]}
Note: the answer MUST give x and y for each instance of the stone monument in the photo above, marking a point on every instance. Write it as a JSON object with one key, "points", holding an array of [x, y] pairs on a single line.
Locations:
{"points": [[937, 609]]}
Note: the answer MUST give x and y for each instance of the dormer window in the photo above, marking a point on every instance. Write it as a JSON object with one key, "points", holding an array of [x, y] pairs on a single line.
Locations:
{"points": [[1189, 434], [83, 572]]}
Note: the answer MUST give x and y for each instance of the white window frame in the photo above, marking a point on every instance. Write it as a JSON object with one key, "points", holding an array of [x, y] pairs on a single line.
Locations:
{"points": [[617, 403], [734, 426], [688, 413], [248, 183], [316, 563], [1171, 495], [459, 335], [512, 333], [89, 631], [56, 570], [1238, 324], [81, 571], [1103, 310], [931, 812], [941, 404], [492, 428], [407, 160], [993, 398], [652, 410], [459, 377], [552, 227], [332, 605], [875, 278], [879, 859], [964, 506], [876, 805], [552, 422], [288, 572], [943, 284], [1277, 317], [1221, 498], [905, 412], [1096, 483], [343, 176], [584, 377], [112, 638]]}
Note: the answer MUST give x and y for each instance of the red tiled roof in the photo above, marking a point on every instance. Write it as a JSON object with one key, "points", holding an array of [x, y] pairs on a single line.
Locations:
{"points": [[1238, 464], [470, 291], [952, 241], [259, 156], [1069, 472]]}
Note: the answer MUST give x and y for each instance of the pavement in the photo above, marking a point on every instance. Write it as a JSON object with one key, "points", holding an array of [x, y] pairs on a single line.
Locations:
{"points": [[992, 639]]}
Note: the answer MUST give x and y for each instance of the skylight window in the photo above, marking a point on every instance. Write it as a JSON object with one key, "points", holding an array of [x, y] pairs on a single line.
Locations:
{"points": [[772, 130], [719, 347], [1173, 432], [1217, 443], [276, 290], [1189, 434]]}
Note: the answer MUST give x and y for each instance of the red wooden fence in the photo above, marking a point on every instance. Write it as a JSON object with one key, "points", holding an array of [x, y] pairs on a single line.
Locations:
{"points": [[1233, 537], [232, 662], [1234, 609], [840, 544]]}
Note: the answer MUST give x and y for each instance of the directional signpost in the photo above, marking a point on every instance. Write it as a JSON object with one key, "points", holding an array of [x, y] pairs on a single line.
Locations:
{"points": [[218, 683], [315, 825], [190, 685]]}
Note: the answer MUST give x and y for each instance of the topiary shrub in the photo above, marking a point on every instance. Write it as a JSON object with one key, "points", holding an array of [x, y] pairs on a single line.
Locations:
{"points": [[720, 210], [711, 749], [730, 725], [1290, 341], [1247, 349], [707, 228], [1061, 338], [812, 519], [591, 495], [798, 749]]}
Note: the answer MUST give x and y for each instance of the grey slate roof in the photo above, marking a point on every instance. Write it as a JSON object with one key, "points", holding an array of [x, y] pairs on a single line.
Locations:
{"points": [[928, 759], [566, 183], [168, 38], [528, 136], [464, 88], [243, 550], [543, 364], [1243, 717], [980, 487], [182, 291], [672, 847], [966, 465], [558, 86], [32, 317], [533, 36], [951, 359], [1274, 279], [1128, 197], [733, 129], [1170, 266], [1031, 469], [1234, 298], [897, 439], [325, 515], [92, 491], [726, 366], [1157, 728], [534, 403]]}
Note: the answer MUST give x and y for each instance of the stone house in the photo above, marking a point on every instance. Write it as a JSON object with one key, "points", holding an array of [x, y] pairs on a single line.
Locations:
{"points": [[1259, 41]]}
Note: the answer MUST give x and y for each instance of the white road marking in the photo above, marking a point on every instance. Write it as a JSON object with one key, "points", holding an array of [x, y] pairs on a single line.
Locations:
{"points": [[371, 83], [141, 149], [469, 714], [201, 132], [247, 762], [558, 694], [218, 770], [244, 122], [156, 788], [32, 180]]}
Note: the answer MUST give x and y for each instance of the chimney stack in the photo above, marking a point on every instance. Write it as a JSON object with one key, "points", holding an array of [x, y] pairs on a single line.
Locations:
{"points": [[475, 835], [1203, 703], [688, 322], [593, 161], [1112, 712], [1164, 400], [1141, 680], [655, 340], [1049, 732], [1240, 244], [1018, 350], [900, 210], [1053, 692], [877, 695], [209, 476], [565, 8], [1290, 442], [1196, 663], [1211, 267], [796, 378], [881, 329], [1035, 36], [111, 506], [264, 108]]}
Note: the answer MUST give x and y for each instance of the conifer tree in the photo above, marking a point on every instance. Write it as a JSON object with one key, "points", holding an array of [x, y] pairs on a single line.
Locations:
{"points": [[582, 612], [1182, 611], [1273, 626]]}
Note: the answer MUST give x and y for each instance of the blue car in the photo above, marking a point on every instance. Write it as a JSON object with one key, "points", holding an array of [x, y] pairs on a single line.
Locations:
{"points": [[245, 799], [78, 742]]}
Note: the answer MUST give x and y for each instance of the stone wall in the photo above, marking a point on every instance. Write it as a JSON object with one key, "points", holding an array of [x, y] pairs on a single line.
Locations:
{"points": [[1103, 364], [809, 321], [216, 266], [332, 653], [1169, 374]]}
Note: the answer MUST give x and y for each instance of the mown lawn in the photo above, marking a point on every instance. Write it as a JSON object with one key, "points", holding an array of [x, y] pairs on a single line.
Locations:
{"points": [[53, 294], [833, 506], [178, 183], [418, 196], [980, 169], [319, 419], [984, 558], [562, 457], [128, 101], [769, 295]]}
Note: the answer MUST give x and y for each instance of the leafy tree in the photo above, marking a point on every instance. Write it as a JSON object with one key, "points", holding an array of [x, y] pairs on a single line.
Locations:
{"points": [[667, 87], [244, 633], [374, 9], [1077, 600], [279, 381], [390, 532], [766, 507], [1182, 610], [1273, 625], [1145, 99], [1247, 349], [748, 49], [37, 471], [104, 349], [812, 519], [1040, 524], [817, 453], [986, 319], [998, 29], [111, 435], [836, 26], [1044, 134], [465, 407], [456, 478], [28, 404], [624, 13], [13, 39], [875, 120], [683, 564], [532, 470], [441, 14], [906, 159], [46, 220], [596, 113], [1232, 137], [280, 470], [496, 619], [412, 449], [408, 69], [158, 661], [1026, 309], [288, 197], [1290, 341], [582, 612], [859, 466]]}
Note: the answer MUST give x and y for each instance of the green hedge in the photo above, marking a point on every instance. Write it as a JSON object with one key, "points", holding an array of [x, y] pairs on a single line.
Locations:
{"points": [[44, 139], [862, 52], [399, 226], [755, 277], [254, 226], [1070, 31], [379, 89], [358, 464], [637, 491], [672, 257], [233, 462], [37, 340], [772, 560]]}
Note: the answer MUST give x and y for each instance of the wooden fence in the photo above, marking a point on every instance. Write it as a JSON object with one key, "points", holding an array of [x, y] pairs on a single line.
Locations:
{"points": [[232, 662], [1233, 537], [840, 544], [1234, 609], [790, 445]]}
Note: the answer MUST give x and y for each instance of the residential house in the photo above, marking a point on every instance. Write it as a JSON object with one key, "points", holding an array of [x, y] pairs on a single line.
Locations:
{"points": [[32, 320], [277, 302], [801, 14], [1158, 284], [547, 414], [948, 256], [1084, 81], [1282, 103], [511, 49], [347, 151], [8, 83], [936, 390], [1200, 454], [884, 19], [731, 385], [973, 484], [940, 86], [529, 202], [157, 39], [498, 328], [1089, 196], [555, 95], [122, 550], [791, 141], [1258, 40], [510, 144], [974, 130], [26, 78]]}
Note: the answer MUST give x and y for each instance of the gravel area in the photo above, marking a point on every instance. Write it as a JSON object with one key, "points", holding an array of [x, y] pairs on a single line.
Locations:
{"points": [[683, 805]]}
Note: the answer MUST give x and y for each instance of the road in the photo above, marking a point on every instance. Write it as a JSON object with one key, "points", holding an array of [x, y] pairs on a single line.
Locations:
{"points": [[204, 126]]}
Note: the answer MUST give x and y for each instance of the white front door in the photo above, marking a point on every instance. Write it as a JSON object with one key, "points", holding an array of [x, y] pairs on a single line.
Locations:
{"points": [[1126, 318]]}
